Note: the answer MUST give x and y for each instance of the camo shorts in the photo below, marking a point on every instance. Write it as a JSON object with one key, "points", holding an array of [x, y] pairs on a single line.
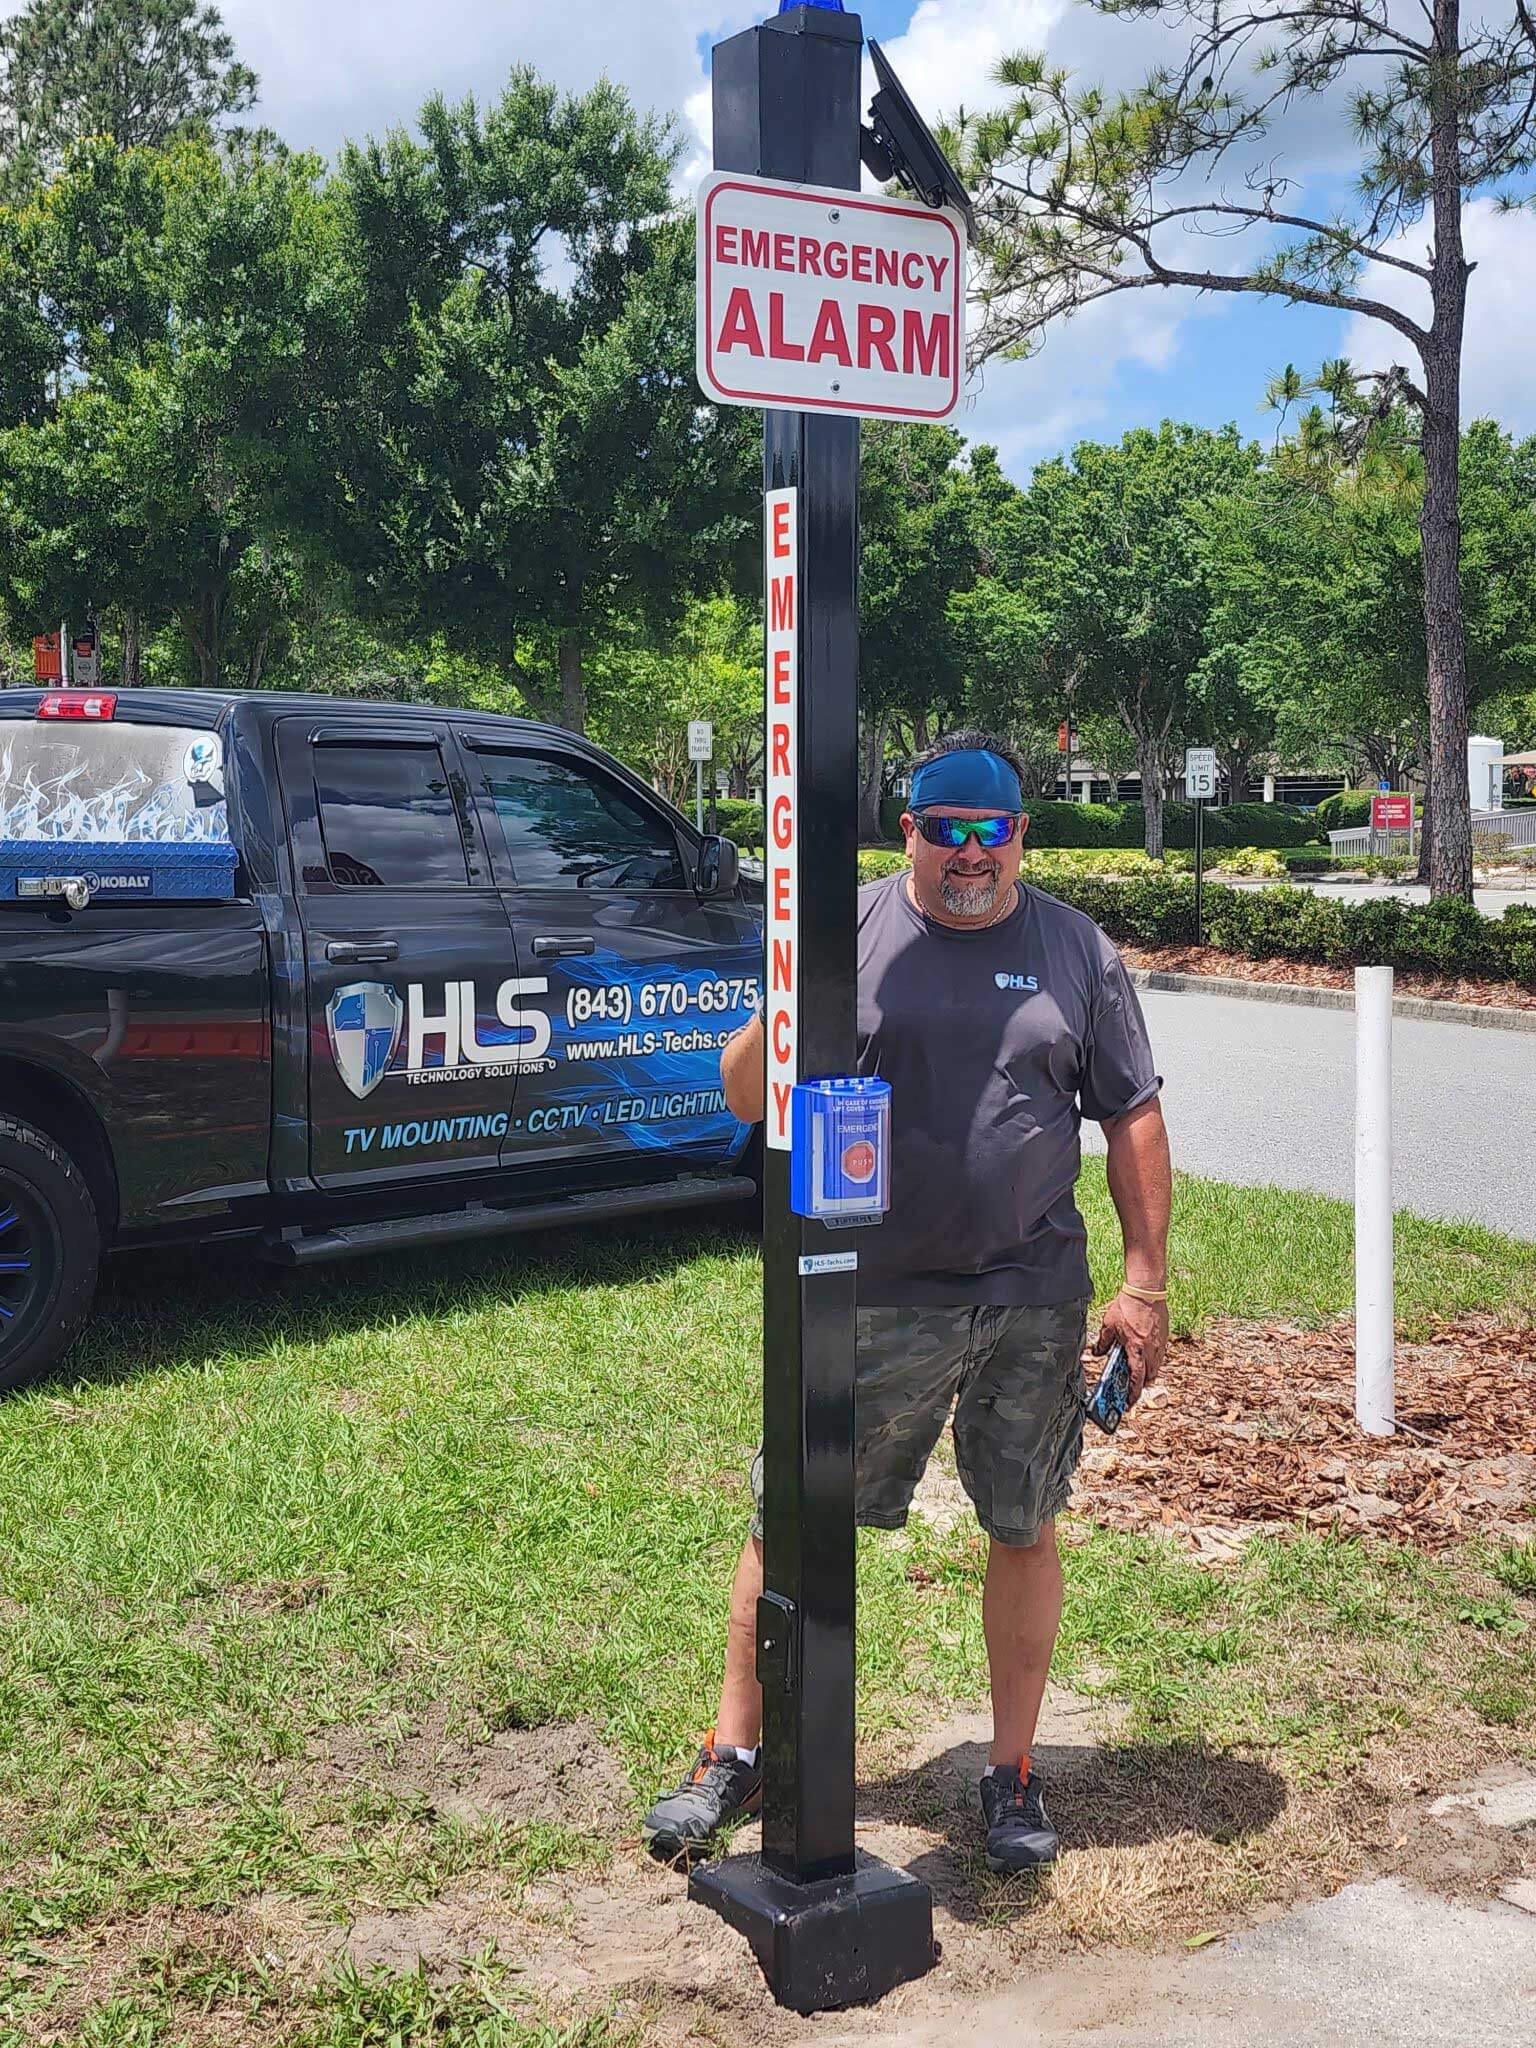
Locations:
{"points": [[1014, 1379]]}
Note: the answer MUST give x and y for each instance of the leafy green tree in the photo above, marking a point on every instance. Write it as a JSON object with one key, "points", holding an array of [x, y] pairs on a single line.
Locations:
{"points": [[175, 460], [1024, 667], [533, 470], [1111, 545], [144, 72], [645, 694], [1083, 193], [916, 548], [1318, 574], [1107, 744]]}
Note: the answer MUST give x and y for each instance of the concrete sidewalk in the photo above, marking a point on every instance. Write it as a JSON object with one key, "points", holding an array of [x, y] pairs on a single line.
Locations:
{"points": [[1379, 1965]]}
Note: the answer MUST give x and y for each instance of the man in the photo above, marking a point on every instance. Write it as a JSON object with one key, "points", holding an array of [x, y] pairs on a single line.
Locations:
{"points": [[1000, 1017]]}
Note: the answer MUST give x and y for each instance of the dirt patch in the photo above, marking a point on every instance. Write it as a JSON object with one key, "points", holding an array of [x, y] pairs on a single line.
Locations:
{"points": [[1159, 1846], [1439, 988], [1253, 1424], [281, 1596], [561, 1773], [261, 1951], [1453, 1852]]}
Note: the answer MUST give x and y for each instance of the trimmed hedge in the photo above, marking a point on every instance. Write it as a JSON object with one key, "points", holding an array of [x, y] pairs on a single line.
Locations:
{"points": [[1294, 924], [1346, 811], [1262, 826], [1152, 908], [1052, 823], [739, 820]]}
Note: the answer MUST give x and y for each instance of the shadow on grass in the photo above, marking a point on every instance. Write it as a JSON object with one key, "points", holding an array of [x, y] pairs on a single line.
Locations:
{"points": [[163, 1308], [1118, 1796]]}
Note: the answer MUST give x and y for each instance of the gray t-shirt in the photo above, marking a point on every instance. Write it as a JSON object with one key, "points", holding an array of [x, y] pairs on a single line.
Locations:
{"points": [[996, 1044]]}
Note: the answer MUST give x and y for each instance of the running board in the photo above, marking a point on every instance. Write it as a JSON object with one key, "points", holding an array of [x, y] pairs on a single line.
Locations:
{"points": [[409, 1233]]}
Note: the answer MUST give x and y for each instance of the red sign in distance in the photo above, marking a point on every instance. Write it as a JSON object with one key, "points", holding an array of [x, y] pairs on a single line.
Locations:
{"points": [[816, 300], [1391, 813]]}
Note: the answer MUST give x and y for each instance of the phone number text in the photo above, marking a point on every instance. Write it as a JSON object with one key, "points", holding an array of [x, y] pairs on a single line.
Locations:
{"points": [[622, 1001]]}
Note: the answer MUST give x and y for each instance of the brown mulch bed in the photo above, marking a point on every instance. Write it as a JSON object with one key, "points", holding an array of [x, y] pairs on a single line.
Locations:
{"points": [[1253, 1423], [1504, 995]]}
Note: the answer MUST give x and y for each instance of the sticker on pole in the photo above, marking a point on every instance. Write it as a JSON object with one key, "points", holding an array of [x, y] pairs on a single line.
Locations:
{"points": [[781, 865], [816, 300]]}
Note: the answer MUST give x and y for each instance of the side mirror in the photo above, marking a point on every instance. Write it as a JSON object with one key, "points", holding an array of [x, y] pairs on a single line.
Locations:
{"points": [[719, 868]]}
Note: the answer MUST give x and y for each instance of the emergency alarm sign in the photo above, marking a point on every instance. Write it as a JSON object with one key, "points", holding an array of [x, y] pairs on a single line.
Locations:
{"points": [[816, 300]]}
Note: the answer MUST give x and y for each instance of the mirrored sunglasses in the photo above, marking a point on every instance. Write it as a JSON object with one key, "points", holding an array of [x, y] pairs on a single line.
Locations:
{"points": [[939, 830]]}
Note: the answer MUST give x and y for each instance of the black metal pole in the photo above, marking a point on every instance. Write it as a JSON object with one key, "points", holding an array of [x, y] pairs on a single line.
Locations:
{"points": [[830, 1928]]}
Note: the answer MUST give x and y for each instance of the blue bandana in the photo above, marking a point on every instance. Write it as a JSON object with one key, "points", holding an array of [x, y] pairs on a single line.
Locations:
{"points": [[973, 781]]}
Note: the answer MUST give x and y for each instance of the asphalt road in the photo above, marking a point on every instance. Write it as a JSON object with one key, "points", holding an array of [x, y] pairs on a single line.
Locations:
{"points": [[1491, 902], [1263, 1094]]}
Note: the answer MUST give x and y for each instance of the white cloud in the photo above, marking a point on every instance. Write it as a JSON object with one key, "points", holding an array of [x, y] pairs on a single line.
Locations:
{"points": [[950, 48], [1496, 378], [350, 67], [1071, 390]]}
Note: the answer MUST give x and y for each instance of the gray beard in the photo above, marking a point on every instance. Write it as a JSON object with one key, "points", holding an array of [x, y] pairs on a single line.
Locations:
{"points": [[972, 899]]}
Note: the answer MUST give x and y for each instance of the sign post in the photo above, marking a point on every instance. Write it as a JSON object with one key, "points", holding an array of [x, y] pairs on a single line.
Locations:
{"points": [[1199, 788], [701, 748], [820, 305]]}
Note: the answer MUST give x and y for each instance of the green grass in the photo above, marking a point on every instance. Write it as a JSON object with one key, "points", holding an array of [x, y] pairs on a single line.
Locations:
{"points": [[256, 1509]]}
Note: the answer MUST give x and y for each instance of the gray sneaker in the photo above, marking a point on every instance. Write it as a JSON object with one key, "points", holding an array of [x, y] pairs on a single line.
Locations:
{"points": [[1019, 1831], [717, 1791]]}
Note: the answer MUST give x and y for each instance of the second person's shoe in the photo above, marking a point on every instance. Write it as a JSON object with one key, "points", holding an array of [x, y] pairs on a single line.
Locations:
{"points": [[1019, 1832]]}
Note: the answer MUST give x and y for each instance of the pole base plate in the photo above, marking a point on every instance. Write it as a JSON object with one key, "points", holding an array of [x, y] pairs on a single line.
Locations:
{"points": [[838, 1941]]}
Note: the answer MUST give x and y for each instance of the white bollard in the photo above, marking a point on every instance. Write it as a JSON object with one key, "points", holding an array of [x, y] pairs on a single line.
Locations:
{"points": [[1375, 1294]]}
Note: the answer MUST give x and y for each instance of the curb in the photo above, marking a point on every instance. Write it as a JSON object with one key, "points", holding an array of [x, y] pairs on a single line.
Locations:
{"points": [[1485, 1017]]}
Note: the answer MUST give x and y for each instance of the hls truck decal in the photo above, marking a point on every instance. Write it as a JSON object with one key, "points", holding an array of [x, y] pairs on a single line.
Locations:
{"points": [[603, 1047]]}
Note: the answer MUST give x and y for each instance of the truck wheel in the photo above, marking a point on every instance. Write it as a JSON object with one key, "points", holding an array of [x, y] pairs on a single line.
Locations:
{"points": [[50, 1250]]}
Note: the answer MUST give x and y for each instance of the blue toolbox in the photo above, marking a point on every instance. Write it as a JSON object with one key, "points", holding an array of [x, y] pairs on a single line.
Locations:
{"points": [[117, 871]]}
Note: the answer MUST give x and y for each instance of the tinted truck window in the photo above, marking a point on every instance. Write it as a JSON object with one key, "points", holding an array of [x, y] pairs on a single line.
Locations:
{"points": [[570, 828], [388, 817]]}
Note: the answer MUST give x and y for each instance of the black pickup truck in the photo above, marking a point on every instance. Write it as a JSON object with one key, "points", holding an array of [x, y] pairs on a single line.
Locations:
{"points": [[337, 977]]}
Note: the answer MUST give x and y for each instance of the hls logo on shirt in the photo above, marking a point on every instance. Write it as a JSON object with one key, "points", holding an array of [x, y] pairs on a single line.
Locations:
{"points": [[1026, 982]]}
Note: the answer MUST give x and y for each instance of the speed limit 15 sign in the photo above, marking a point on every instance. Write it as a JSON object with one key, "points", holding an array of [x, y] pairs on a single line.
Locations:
{"points": [[1200, 773]]}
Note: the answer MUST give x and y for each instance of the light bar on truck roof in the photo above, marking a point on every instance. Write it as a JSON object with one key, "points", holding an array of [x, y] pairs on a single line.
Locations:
{"points": [[96, 705]]}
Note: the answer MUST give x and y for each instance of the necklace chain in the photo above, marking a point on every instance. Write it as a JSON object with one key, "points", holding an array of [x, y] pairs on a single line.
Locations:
{"points": [[1004, 909]]}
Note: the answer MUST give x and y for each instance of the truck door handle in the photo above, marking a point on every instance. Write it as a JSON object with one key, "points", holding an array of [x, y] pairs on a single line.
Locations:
{"points": [[361, 952], [557, 949]]}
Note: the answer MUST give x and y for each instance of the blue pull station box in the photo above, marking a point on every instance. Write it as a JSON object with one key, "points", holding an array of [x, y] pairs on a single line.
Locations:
{"points": [[840, 1150]]}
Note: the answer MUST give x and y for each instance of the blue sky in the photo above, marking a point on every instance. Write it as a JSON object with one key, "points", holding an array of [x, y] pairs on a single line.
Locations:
{"points": [[333, 68]]}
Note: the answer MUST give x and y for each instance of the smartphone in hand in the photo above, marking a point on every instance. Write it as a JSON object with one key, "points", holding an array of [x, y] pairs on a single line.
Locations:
{"points": [[1107, 1404]]}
